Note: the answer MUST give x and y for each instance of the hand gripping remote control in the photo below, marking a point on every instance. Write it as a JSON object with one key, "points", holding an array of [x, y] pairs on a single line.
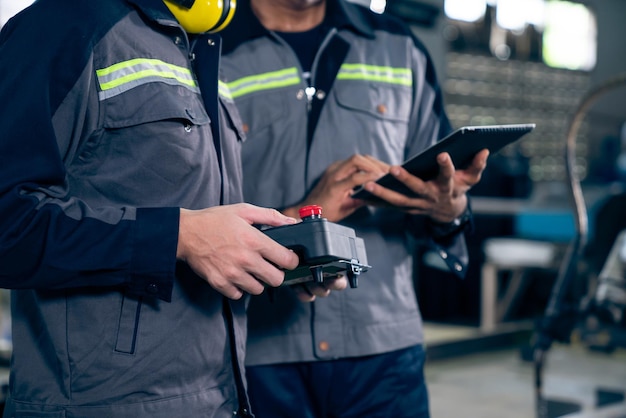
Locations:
{"points": [[325, 249]]}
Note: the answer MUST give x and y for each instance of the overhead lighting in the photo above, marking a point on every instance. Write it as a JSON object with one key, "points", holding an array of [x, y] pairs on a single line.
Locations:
{"points": [[570, 36], [515, 15], [465, 10]]}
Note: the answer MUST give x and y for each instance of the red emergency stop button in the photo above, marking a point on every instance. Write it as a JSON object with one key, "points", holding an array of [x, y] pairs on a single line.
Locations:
{"points": [[310, 212]]}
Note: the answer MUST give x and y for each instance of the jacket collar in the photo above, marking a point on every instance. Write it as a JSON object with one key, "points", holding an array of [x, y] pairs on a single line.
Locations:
{"points": [[245, 26], [343, 14], [154, 9]]}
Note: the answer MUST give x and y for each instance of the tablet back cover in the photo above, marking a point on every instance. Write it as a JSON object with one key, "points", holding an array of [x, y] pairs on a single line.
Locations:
{"points": [[462, 145]]}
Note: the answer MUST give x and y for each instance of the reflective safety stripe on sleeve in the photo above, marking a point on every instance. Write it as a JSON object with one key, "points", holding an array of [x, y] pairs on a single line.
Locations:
{"points": [[125, 75]]}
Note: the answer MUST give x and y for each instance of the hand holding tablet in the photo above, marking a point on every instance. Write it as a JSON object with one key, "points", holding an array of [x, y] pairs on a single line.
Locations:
{"points": [[462, 145]]}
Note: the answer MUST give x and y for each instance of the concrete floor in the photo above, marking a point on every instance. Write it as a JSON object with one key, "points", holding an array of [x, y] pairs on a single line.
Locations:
{"points": [[469, 377], [500, 384]]}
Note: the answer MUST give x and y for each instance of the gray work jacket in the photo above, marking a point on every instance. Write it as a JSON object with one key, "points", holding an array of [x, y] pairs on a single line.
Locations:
{"points": [[105, 135], [374, 93]]}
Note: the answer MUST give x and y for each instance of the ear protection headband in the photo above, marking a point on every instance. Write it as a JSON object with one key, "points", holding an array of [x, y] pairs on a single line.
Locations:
{"points": [[199, 16]]}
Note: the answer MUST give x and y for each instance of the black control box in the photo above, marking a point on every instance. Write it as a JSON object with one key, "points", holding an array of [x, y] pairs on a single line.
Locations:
{"points": [[325, 249]]}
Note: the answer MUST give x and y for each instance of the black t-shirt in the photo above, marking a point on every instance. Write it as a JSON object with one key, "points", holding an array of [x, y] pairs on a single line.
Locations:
{"points": [[305, 45]]}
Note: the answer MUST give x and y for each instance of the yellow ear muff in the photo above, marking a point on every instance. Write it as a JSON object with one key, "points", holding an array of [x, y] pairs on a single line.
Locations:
{"points": [[203, 15], [227, 16]]}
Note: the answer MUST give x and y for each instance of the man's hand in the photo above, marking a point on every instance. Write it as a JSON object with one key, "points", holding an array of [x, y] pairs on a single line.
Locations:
{"points": [[307, 292], [443, 198], [221, 246], [334, 189]]}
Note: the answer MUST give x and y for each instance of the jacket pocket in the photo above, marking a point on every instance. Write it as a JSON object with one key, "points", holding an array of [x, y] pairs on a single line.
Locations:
{"points": [[261, 111], [152, 148], [386, 102], [146, 116], [152, 103], [378, 115], [128, 325]]}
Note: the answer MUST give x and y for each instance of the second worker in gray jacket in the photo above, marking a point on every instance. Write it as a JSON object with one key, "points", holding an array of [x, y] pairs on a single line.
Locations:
{"points": [[333, 96]]}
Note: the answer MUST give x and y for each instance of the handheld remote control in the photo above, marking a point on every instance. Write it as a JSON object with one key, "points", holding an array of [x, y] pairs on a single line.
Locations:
{"points": [[325, 249]]}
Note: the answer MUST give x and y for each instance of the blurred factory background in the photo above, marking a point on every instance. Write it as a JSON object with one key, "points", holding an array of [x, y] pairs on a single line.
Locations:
{"points": [[519, 61], [527, 61]]}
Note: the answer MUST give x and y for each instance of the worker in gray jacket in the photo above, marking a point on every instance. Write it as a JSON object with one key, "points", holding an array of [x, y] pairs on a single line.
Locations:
{"points": [[333, 96], [122, 238]]}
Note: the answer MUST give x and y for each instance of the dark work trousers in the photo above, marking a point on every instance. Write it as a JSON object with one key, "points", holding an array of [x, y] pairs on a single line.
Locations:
{"points": [[389, 385]]}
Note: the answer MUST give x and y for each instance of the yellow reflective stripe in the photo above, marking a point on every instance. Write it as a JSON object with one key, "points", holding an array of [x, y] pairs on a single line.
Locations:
{"points": [[382, 74], [125, 75], [223, 90], [265, 81]]}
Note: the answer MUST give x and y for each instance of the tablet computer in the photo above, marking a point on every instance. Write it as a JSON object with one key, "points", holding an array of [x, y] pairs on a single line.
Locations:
{"points": [[462, 145]]}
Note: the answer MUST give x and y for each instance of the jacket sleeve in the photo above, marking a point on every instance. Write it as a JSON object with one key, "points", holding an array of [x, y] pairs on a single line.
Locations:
{"points": [[452, 250], [50, 239], [428, 124]]}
